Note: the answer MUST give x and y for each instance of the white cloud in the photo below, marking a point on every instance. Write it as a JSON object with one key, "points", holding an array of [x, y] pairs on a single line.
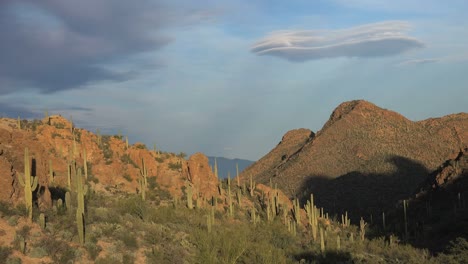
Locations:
{"points": [[370, 40], [418, 61]]}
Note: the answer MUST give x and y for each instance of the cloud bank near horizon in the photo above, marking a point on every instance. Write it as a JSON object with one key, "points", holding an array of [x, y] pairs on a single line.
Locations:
{"points": [[370, 40]]}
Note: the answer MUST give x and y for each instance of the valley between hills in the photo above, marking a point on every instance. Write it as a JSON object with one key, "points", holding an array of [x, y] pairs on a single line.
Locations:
{"points": [[370, 187]]}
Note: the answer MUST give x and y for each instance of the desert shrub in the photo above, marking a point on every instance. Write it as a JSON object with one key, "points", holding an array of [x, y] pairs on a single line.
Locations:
{"points": [[59, 125], [125, 158], [456, 252], [141, 146], [128, 258], [159, 159], [175, 166], [93, 250], [106, 260], [127, 177], [224, 245], [13, 260], [77, 133], [134, 206], [56, 249], [6, 209], [54, 135], [106, 150], [21, 210], [5, 252], [129, 239]]}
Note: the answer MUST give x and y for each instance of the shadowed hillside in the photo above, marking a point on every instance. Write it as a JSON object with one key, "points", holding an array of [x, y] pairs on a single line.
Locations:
{"points": [[362, 140]]}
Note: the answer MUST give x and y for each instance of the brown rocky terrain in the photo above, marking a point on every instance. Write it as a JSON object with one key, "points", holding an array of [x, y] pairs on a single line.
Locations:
{"points": [[113, 166], [365, 158]]}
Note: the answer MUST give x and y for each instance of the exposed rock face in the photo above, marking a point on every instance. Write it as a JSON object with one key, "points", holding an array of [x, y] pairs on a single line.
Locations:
{"points": [[364, 157], [450, 171], [199, 174], [112, 165]]}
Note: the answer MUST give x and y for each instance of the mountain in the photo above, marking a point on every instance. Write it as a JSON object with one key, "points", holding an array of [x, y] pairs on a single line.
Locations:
{"points": [[364, 159], [226, 166]]}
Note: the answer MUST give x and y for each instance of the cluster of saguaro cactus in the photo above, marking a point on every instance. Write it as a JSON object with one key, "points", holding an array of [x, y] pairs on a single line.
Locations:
{"points": [[312, 216], [29, 183], [362, 229], [345, 221], [297, 211], [292, 227], [143, 181]]}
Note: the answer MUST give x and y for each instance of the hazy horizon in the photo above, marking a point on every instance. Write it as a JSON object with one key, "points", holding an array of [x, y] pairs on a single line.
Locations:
{"points": [[228, 78]]}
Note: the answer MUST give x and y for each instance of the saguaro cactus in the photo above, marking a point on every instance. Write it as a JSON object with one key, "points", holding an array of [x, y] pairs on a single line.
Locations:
{"points": [[143, 179], [322, 242], [231, 208], [252, 186], [85, 163], [405, 218], [216, 168], [42, 221], [81, 190], [51, 172], [189, 196], [29, 183]]}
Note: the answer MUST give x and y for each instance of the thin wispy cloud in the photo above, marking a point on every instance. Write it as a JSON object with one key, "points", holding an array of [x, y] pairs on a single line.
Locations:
{"points": [[418, 61], [370, 40]]}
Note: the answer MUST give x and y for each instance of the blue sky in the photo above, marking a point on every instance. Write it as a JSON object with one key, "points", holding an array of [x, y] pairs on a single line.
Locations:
{"points": [[228, 78]]}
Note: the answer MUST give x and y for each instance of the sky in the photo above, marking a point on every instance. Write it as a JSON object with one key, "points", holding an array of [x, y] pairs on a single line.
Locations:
{"points": [[228, 78]]}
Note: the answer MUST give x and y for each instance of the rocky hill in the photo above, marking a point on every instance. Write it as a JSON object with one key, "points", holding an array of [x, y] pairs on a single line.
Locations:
{"points": [[113, 165], [364, 159]]}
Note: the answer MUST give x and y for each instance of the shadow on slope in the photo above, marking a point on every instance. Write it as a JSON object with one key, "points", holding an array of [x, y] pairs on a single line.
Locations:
{"points": [[365, 194], [328, 257]]}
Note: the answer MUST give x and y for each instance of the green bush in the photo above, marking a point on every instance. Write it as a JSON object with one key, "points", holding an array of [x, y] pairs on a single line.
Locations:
{"points": [[5, 252], [175, 166]]}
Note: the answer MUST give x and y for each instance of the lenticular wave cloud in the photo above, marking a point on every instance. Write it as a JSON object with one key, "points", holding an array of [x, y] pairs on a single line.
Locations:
{"points": [[370, 40]]}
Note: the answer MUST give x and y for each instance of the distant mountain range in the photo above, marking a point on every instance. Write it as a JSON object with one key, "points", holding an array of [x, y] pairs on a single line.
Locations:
{"points": [[226, 166]]}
